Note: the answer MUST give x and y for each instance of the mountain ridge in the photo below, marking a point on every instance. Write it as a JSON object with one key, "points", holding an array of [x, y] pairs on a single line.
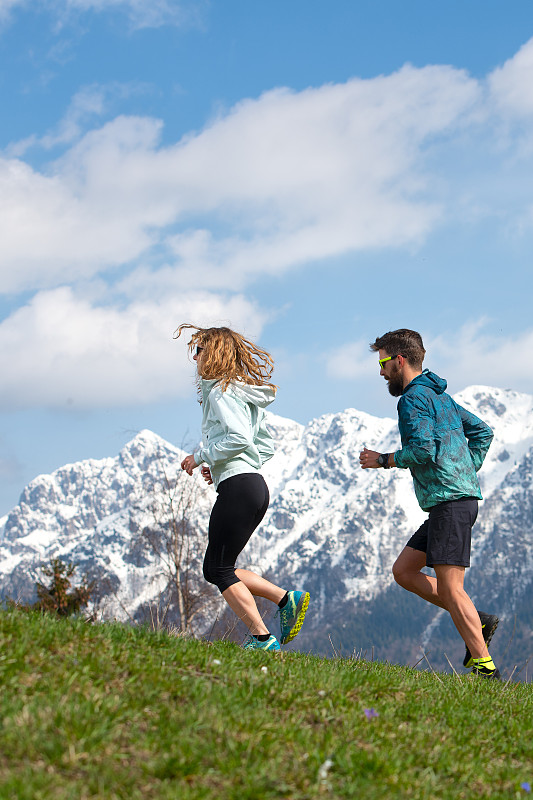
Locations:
{"points": [[331, 526]]}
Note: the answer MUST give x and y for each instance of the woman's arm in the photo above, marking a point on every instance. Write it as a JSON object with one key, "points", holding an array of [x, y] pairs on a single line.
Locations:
{"points": [[235, 420]]}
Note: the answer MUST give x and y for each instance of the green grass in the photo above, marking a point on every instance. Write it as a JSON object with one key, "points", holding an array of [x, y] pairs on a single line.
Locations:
{"points": [[111, 711]]}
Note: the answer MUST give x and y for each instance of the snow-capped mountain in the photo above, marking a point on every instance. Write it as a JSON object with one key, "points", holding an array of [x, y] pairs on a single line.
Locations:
{"points": [[331, 527], [92, 513]]}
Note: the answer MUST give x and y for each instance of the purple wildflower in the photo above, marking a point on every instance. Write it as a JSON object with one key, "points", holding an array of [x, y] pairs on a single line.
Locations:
{"points": [[525, 786], [370, 713]]}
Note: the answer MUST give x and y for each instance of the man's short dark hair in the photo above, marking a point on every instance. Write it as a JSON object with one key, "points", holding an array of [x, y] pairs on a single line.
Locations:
{"points": [[402, 342]]}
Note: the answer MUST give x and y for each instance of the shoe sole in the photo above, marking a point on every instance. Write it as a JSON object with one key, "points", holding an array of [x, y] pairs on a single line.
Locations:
{"points": [[467, 661], [491, 676], [270, 649], [301, 610]]}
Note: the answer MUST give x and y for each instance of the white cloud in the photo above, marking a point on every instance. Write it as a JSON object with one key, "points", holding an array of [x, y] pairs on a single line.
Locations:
{"points": [[6, 7], [141, 13], [478, 354], [351, 361], [287, 178], [69, 224], [88, 103], [511, 85], [62, 351], [274, 183]]}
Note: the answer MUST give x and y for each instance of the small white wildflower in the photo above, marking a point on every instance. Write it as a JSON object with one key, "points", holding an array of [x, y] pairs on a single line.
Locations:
{"points": [[216, 661], [264, 669], [321, 692], [323, 771]]}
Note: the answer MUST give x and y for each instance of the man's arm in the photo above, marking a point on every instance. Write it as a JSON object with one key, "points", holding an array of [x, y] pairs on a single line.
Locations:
{"points": [[478, 434], [417, 427]]}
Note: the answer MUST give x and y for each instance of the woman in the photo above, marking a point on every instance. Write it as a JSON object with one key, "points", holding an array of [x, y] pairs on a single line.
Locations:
{"points": [[234, 390]]}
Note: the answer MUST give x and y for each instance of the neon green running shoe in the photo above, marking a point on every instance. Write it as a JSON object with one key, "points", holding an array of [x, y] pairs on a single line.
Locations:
{"points": [[292, 615], [489, 623], [252, 643], [486, 668]]}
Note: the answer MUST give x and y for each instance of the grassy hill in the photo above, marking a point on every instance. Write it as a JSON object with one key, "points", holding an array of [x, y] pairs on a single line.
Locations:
{"points": [[111, 711]]}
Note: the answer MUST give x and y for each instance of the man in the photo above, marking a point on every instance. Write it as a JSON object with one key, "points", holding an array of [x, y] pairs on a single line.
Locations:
{"points": [[443, 445]]}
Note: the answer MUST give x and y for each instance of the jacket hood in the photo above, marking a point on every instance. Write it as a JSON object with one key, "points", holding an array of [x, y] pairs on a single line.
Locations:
{"points": [[261, 396], [430, 380]]}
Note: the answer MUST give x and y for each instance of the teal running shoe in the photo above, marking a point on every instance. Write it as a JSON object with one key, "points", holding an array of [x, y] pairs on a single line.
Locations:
{"points": [[252, 643], [292, 615]]}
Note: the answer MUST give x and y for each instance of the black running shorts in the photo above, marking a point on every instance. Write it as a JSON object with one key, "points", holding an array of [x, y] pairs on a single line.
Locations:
{"points": [[445, 536]]}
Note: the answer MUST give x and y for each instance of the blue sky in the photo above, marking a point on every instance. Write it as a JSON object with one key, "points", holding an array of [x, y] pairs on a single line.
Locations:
{"points": [[311, 173]]}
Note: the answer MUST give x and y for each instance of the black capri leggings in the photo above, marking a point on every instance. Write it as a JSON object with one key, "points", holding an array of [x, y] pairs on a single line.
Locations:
{"points": [[239, 508]]}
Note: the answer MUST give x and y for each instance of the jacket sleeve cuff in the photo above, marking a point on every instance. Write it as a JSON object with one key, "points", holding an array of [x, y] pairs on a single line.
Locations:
{"points": [[198, 457], [398, 459]]}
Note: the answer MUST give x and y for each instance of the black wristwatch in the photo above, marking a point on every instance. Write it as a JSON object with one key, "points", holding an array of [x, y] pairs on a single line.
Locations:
{"points": [[383, 460]]}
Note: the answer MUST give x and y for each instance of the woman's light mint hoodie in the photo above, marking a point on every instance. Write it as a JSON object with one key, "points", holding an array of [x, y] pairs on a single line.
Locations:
{"points": [[235, 437]]}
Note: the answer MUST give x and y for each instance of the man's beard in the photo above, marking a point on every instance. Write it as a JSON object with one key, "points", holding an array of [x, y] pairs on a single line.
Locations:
{"points": [[395, 383]]}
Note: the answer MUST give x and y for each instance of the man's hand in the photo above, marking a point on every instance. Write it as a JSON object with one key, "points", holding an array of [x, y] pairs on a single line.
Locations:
{"points": [[188, 464], [206, 475], [369, 459]]}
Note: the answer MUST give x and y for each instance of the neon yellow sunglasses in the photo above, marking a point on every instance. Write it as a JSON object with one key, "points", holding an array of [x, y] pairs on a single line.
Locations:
{"points": [[384, 360]]}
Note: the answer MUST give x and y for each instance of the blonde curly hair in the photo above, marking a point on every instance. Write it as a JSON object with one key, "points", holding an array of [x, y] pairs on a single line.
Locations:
{"points": [[228, 356]]}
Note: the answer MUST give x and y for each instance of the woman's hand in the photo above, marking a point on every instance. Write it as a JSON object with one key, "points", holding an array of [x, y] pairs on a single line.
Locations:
{"points": [[188, 464], [206, 475]]}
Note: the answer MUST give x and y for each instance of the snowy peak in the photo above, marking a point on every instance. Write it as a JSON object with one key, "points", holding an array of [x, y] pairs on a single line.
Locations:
{"points": [[509, 413], [145, 448], [82, 494]]}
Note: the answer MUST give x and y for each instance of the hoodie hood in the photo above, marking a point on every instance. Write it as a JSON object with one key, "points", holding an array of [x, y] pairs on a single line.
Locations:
{"points": [[430, 380], [260, 396]]}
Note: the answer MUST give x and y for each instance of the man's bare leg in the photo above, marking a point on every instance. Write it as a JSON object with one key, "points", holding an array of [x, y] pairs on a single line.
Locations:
{"points": [[407, 574], [445, 591], [463, 612]]}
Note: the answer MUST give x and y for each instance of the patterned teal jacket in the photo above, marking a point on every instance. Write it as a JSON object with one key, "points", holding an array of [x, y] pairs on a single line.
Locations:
{"points": [[443, 444]]}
